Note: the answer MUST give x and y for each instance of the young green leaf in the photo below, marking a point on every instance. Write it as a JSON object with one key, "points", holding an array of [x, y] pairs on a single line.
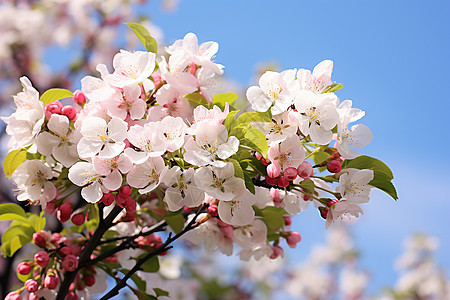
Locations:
{"points": [[258, 139], [55, 94], [13, 160], [367, 162], [333, 88], [11, 208], [221, 99], [144, 36], [196, 99], [382, 181], [175, 221]]}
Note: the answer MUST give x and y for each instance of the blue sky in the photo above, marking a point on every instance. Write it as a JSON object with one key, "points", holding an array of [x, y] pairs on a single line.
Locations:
{"points": [[392, 58]]}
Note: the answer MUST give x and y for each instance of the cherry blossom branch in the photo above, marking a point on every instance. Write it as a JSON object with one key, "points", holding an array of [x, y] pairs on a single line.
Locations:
{"points": [[164, 247], [86, 253]]}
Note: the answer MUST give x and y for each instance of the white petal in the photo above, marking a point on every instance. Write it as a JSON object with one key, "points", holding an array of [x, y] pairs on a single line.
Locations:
{"points": [[93, 192], [113, 181]]}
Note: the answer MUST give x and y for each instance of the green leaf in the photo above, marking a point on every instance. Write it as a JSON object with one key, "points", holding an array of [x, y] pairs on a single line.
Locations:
{"points": [[237, 168], [55, 94], [196, 99], [24, 278], [13, 160], [249, 183], [160, 292], [319, 157], [18, 235], [383, 182], [230, 120], [255, 117], [151, 265], [14, 217], [12, 208], [307, 185], [144, 36], [273, 217], [175, 221], [258, 139], [333, 88], [140, 284], [37, 222], [221, 99], [367, 162]]}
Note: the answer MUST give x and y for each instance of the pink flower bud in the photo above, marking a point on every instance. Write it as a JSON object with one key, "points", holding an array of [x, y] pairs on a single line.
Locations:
{"points": [[305, 197], [187, 209], [50, 208], [121, 200], [55, 238], [130, 205], [64, 212], [332, 202], [293, 238], [78, 219], [258, 156], [305, 170], [12, 296], [287, 220], [40, 239], [275, 195], [33, 296], [277, 251], [264, 161], [282, 182], [156, 78], [41, 258], [51, 282], [107, 199], [290, 173], [213, 210], [89, 280], [125, 190], [273, 170], [24, 268], [76, 249], [71, 296], [154, 238], [53, 108], [271, 181], [323, 212], [31, 285], [334, 166], [69, 111], [70, 263], [64, 251], [79, 98]]}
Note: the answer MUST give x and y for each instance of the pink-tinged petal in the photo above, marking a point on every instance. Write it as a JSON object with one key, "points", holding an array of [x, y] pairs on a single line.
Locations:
{"points": [[304, 78], [112, 150], [360, 136], [45, 143], [239, 211], [190, 43], [59, 124], [82, 173], [113, 181], [117, 129], [208, 49], [102, 165], [94, 128], [258, 99], [124, 164], [323, 70], [227, 149], [65, 154], [88, 148], [92, 193], [135, 156], [138, 109]]}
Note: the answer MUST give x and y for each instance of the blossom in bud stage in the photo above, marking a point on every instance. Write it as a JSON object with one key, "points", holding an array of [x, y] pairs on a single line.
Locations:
{"points": [[290, 173], [31, 285], [334, 166], [273, 170], [213, 210], [131, 68], [102, 138], [305, 170], [89, 280], [282, 182], [55, 238], [72, 296], [51, 282], [40, 239], [277, 251], [275, 91], [293, 239], [78, 219], [41, 258], [125, 190], [24, 268], [64, 251], [305, 197], [122, 200], [70, 263], [316, 115], [354, 185], [358, 136], [69, 111], [258, 156], [275, 195], [79, 98], [12, 296], [319, 80], [64, 212], [332, 202], [53, 108], [287, 220], [107, 199], [271, 181]]}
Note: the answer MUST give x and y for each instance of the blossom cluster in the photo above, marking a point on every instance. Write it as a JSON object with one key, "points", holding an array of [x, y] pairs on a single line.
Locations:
{"points": [[152, 142]]}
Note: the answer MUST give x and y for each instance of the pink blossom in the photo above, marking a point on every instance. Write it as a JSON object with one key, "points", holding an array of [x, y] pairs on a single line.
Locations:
{"points": [[70, 263]]}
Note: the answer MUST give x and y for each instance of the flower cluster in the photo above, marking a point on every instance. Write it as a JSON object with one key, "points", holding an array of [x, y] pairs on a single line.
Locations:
{"points": [[151, 145]]}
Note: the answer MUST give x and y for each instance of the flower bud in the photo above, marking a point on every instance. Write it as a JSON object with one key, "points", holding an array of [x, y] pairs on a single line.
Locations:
{"points": [[89, 280], [55, 238], [213, 210], [78, 219], [12, 296], [71, 296], [275, 195], [41, 258], [125, 190], [39, 238], [273, 170], [264, 161], [271, 181], [332, 202], [50, 208], [31, 285], [64, 251], [323, 212], [305, 170], [79, 98], [305, 197], [290, 173], [282, 182], [70, 263], [334, 166], [277, 251], [53, 108], [121, 200], [24, 268], [64, 212], [293, 238], [69, 111], [130, 205], [107, 199], [51, 282], [33, 296], [287, 220]]}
